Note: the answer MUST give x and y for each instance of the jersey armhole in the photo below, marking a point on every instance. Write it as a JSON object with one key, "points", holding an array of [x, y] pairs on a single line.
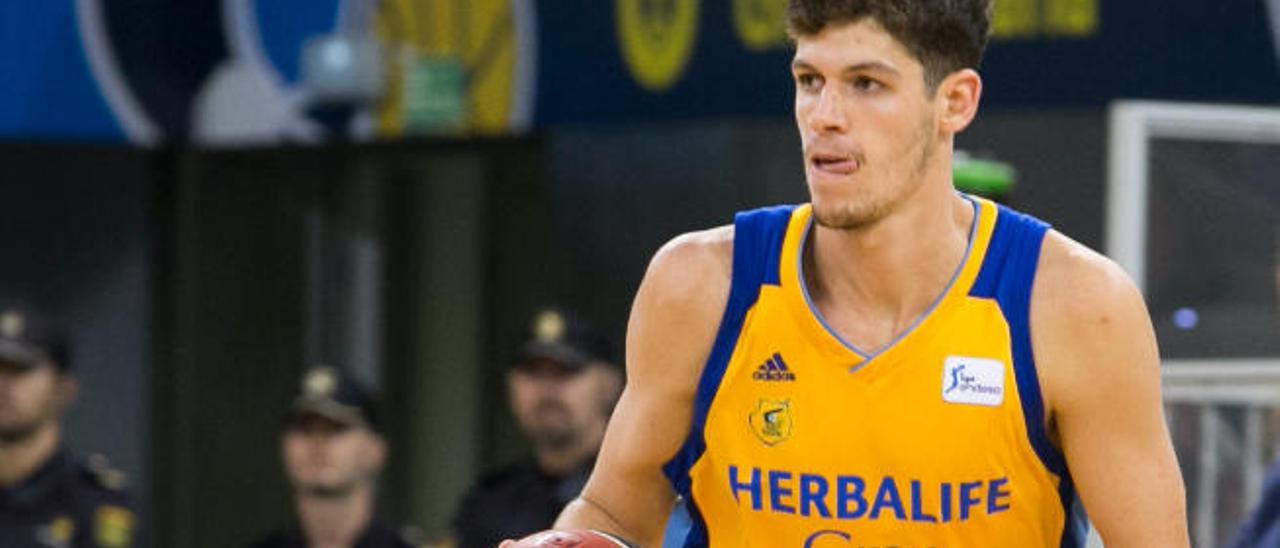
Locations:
{"points": [[757, 241], [1008, 276]]}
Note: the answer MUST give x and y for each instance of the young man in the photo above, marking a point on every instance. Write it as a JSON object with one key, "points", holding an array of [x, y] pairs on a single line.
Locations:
{"points": [[47, 498], [562, 389], [333, 455], [894, 364]]}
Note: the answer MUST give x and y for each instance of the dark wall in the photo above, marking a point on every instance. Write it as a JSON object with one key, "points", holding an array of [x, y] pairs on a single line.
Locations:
{"points": [[1060, 156], [233, 319], [371, 258]]}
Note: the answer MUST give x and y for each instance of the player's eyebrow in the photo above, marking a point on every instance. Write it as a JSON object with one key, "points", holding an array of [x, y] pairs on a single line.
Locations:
{"points": [[802, 65], [874, 66]]}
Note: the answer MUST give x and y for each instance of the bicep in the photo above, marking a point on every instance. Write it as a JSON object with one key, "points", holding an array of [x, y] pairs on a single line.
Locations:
{"points": [[1101, 373]]}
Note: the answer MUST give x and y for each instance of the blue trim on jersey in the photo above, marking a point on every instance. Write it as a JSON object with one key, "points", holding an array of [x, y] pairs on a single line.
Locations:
{"points": [[867, 357], [1007, 275], [1075, 530], [757, 243]]}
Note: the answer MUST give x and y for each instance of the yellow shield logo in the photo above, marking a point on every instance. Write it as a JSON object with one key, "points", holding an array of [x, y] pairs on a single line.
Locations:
{"points": [[657, 39], [760, 23], [771, 421]]}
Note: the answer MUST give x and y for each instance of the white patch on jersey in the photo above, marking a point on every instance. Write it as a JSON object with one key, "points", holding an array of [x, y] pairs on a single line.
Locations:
{"points": [[972, 381]]}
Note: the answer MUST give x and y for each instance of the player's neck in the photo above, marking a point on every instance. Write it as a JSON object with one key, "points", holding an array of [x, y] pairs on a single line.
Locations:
{"points": [[877, 280], [20, 459], [335, 522]]}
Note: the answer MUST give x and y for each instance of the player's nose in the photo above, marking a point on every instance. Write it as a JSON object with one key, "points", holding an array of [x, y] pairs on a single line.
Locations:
{"points": [[828, 113]]}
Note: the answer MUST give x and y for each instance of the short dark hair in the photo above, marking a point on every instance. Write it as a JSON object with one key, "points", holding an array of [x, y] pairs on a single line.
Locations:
{"points": [[944, 35]]}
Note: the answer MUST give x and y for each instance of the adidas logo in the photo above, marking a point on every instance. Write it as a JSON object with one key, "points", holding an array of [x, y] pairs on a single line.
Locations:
{"points": [[774, 369]]}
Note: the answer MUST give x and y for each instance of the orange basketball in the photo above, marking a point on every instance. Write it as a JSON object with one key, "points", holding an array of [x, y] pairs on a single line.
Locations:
{"points": [[569, 539]]}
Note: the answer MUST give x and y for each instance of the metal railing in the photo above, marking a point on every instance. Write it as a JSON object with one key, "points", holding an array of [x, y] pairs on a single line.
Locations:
{"points": [[1224, 416]]}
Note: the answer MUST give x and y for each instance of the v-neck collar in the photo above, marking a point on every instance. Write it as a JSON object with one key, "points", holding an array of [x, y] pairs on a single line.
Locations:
{"points": [[961, 279]]}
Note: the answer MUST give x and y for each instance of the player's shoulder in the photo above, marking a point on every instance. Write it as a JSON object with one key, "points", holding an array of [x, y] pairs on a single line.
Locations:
{"points": [[705, 249], [1078, 283], [1085, 310], [678, 308], [710, 252], [692, 263]]}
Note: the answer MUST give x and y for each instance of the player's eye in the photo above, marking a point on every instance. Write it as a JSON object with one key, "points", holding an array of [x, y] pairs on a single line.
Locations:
{"points": [[863, 83], [808, 81]]}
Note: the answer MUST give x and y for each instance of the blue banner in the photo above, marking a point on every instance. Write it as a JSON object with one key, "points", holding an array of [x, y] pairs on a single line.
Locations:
{"points": [[50, 91], [156, 70]]}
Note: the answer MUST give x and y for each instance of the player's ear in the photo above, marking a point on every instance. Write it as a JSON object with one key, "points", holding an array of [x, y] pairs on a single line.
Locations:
{"points": [[957, 99]]}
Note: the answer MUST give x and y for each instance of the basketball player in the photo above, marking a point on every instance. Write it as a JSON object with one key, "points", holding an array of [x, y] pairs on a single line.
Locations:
{"points": [[893, 364]]}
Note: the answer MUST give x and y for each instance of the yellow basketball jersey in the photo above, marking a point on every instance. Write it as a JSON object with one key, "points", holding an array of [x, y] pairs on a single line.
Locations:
{"points": [[802, 440]]}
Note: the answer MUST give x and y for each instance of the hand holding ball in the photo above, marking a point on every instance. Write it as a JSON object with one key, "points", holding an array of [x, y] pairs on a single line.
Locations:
{"points": [[567, 539]]}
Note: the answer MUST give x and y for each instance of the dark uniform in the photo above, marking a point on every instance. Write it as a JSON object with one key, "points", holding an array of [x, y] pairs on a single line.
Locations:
{"points": [[514, 502], [64, 503], [376, 536], [522, 499], [67, 504], [1262, 528], [332, 395]]}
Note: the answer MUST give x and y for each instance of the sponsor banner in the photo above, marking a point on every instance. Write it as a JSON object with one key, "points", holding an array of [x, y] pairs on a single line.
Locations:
{"points": [[237, 70], [50, 91]]}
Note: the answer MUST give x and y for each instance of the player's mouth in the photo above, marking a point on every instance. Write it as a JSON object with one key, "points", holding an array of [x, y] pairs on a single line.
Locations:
{"points": [[834, 163]]}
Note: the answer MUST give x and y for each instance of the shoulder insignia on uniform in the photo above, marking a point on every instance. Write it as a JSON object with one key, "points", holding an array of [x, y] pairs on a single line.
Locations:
{"points": [[113, 526], [104, 474], [411, 535], [58, 532]]}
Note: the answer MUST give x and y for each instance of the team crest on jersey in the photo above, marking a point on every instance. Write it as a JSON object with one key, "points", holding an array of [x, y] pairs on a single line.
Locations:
{"points": [[771, 421]]}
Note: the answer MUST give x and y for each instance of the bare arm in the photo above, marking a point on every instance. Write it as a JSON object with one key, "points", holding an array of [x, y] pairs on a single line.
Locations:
{"points": [[1100, 372], [673, 325]]}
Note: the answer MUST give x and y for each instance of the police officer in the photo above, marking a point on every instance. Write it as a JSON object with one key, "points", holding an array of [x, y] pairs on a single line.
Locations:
{"points": [[333, 454], [47, 498], [561, 388]]}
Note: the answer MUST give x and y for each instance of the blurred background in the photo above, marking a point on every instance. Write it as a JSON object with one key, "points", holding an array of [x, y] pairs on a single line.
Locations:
{"points": [[216, 194]]}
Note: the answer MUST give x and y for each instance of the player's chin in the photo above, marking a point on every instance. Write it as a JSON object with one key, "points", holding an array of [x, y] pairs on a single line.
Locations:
{"points": [[843, 214]]}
